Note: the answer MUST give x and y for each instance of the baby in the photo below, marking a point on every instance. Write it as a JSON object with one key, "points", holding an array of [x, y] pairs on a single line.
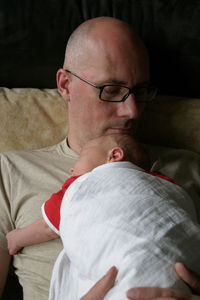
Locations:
{"points": [[115, 214]]}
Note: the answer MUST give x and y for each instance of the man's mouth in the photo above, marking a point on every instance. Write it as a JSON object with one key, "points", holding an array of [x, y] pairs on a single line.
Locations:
{"points": [[120, 129], [127, 127]]}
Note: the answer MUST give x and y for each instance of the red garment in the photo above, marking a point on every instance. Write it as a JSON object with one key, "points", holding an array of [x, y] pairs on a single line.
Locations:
{"points": [[52, 206]]}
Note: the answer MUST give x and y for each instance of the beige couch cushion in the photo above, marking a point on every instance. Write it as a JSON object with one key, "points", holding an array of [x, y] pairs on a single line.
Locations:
{"points": [[31, 118]]}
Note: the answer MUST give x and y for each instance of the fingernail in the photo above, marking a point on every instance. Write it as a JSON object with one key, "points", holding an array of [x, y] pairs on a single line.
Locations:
{"points": [[111, 270], [179, 267]]}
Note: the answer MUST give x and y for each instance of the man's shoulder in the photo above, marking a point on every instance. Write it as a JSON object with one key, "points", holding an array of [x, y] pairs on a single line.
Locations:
{"points": [[54, 157], [61, 150]]}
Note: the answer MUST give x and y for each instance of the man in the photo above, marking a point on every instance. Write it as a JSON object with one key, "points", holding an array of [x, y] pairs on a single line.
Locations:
{"points": [[101, 55], [101, 61]]}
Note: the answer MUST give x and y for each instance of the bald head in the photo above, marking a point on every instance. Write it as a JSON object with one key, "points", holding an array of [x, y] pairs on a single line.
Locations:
{"points": [[101, 51], [97, 37]]}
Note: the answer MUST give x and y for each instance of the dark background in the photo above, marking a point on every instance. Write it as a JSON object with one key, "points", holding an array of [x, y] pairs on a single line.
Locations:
{"points": [[33, 36]]}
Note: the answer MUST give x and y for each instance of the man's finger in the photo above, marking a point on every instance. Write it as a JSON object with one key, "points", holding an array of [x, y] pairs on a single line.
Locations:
{"points": [[156, 293], [100, 289], [188, 276]]}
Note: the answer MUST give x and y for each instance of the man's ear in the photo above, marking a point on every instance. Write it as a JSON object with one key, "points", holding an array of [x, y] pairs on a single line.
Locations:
{"points": [[116, 154], [63, 84]]}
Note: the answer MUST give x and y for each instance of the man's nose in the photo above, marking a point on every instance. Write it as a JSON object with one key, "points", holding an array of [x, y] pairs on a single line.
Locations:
{"points": [[129, 108]]}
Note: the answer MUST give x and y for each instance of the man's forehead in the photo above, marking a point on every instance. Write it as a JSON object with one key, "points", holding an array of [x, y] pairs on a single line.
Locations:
{"points": [[107, 62]]}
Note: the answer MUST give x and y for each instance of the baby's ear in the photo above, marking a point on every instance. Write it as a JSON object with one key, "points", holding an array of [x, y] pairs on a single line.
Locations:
{"points": [[116, 154]]}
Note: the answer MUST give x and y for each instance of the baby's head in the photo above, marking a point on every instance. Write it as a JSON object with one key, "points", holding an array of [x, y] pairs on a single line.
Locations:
{"points": [[109, 148]]}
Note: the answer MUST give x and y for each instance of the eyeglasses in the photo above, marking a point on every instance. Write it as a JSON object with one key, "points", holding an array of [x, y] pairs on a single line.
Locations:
{"points": [[143, 93]]}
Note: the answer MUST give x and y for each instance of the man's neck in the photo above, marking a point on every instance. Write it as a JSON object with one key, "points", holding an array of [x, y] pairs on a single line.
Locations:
{"points": [[73, 145]]}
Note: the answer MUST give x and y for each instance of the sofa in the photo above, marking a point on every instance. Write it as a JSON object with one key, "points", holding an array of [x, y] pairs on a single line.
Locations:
{"points": [[33, 39]]}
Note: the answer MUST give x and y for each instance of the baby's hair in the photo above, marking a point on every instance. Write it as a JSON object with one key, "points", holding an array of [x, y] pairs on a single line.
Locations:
{"points": [[133, 151]]}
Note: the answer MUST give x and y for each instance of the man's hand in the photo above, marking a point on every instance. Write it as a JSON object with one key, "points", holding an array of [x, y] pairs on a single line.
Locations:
{"points": [[189, 277], [146, 293], [100, 289], [12, 239]]}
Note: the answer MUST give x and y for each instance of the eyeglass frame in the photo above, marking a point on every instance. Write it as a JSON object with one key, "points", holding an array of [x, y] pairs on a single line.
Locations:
{"points": [[130, 91]]}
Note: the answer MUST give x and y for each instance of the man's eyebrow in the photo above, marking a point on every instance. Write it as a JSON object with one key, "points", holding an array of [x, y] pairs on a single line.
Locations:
{"points": [[119, 82], [111, 81]]}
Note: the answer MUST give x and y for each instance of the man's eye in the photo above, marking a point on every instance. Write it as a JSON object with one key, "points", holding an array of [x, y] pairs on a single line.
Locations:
{"points": [[112, 90]]}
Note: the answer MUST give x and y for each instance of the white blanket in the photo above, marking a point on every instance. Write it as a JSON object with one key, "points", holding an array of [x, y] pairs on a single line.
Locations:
{"points": [[119, 215]]}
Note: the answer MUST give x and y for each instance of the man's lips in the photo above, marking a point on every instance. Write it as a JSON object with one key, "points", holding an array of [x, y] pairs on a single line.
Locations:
{"points": [[122, 126], [120, 130]]}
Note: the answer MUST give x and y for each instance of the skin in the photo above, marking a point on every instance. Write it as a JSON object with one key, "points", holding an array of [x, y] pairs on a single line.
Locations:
{"points": [[90, 157], [104, 61], [95, 153]]}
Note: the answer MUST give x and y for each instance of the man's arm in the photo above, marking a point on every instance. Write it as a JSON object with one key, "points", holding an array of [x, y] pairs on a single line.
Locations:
{"points": [[35, 233], [4, 267]]}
